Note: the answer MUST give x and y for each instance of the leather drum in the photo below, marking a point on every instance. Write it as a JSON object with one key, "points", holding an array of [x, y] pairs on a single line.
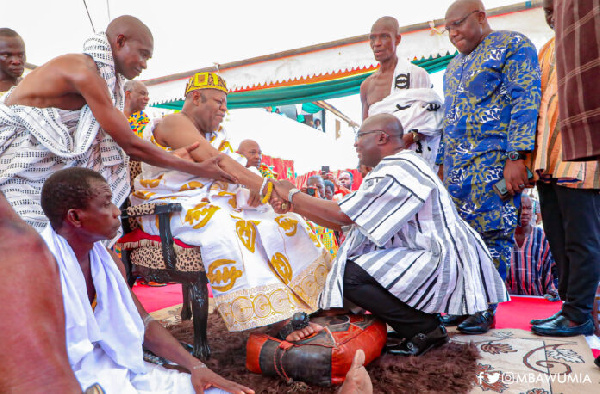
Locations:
{"points": [[322, 359]]}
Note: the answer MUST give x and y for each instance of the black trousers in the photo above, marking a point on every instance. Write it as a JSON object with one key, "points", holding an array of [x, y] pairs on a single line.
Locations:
{"points": [[363, 290], [571, 219]]}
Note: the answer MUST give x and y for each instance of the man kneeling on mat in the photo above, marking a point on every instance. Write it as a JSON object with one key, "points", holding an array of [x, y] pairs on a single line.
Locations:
{"points": [[408, 256]]}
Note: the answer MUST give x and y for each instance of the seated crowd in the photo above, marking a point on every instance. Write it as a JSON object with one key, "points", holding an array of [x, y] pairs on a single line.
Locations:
{"points": [[436, 232]]}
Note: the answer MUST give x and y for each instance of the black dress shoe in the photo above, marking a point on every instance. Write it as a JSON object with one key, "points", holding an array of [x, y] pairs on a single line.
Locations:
{"points": [[537, 322], [420, 343], [560, 327], [479, 323], [453, 320]]}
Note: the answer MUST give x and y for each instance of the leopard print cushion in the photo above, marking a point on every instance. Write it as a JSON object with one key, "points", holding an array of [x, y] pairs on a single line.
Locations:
{"points": [[142, 209], [135, 168], [188, 259]]}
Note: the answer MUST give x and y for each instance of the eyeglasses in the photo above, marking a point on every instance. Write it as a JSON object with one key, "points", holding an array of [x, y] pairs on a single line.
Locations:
{"points": [[361, 133], [458, 23]]}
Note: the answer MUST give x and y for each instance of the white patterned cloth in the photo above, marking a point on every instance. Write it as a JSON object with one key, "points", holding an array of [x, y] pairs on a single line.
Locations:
{"points": [[36, 142], [418, 110], [263, 267], [104, 344], [408, 236]]}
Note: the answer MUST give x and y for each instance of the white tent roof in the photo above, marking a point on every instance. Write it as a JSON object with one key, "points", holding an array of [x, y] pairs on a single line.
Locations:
{"points": [[351, 54]]}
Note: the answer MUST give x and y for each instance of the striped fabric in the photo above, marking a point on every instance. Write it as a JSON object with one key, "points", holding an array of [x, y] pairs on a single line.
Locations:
{"points": [[408, 236], [578, 66], [532, 267], [36, 142], [547, 158]]}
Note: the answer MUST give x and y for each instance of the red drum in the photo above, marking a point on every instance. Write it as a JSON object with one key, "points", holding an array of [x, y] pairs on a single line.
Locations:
{"points": [[322, 359]]}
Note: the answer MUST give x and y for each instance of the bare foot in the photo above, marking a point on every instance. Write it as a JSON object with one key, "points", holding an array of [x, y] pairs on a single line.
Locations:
{"points": [[357, 379], [307, 331]]}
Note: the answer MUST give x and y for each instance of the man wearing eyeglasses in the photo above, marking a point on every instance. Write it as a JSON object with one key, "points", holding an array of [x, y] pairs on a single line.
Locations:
{"points": [[492, 95], [408, 256], [12, 59]]}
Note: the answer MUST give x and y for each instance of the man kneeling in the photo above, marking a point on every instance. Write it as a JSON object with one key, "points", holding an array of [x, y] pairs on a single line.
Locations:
{"points": [[105, 323], [408, 256]]}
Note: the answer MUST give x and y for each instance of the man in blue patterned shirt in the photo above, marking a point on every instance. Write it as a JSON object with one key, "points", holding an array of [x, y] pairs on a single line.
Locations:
{"points": [[491, 100]]}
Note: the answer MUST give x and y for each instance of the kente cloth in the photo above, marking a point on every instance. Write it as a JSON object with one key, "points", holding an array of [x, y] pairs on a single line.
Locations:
{"points": [[408, 236], [36, 142], [492, 97], [577, 53], [137, 121], [326, 237], [417, 110], [532, 268], [263, 267], [267, 171], [104, 344], [548, 154]]}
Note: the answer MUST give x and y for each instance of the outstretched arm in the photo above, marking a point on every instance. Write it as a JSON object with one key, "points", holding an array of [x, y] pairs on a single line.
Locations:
{"points": [[177, 131], [85, 80], [323, 212]]}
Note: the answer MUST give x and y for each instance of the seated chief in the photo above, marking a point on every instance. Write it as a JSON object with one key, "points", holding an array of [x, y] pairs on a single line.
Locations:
{"points": [[106, 325], [408, 256], [263, 267]]}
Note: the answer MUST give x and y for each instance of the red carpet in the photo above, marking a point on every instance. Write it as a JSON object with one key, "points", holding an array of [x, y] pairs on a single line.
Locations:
{"points": [[513, 314]]}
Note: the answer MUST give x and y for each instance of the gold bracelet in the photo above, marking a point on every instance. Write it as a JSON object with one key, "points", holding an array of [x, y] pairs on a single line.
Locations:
{"points": [[267, 196]]}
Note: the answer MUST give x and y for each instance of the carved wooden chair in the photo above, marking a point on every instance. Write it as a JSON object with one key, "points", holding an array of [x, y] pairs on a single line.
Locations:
{"points": [[163, 259]]}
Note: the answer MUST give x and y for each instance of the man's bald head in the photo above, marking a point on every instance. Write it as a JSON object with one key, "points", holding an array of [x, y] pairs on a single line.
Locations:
{"points": [[388, 21], [129, 26], [136, 97], [132, 45], [379, 136], [466, 6], [251, 151], [467, 24]]}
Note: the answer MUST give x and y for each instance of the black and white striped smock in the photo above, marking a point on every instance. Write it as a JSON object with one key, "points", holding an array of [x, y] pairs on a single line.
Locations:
{"points": [[408, 236]]}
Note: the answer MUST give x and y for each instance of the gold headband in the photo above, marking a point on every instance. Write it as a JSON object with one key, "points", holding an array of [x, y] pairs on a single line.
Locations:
{"points": [[206, 81]]}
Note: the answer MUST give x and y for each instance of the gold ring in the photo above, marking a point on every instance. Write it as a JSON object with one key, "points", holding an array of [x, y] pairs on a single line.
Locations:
{"points": [[283, 205]]}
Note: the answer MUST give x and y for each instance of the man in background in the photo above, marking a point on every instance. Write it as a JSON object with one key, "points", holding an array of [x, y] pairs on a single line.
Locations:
{"points": [[136, 100], [12, 59]]}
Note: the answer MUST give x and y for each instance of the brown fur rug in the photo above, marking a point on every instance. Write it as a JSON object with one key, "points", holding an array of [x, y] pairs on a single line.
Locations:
{"points": [[449, 369]]}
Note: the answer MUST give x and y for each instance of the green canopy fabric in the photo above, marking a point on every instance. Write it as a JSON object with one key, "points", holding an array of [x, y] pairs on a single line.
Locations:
{"points": [[308, 93]]}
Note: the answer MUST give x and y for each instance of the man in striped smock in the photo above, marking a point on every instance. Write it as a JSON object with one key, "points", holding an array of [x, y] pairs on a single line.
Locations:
{"points": [[408, 255]]}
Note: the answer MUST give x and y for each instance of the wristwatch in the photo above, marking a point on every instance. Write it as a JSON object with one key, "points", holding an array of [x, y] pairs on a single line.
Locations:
{"points": [[516, 156]]}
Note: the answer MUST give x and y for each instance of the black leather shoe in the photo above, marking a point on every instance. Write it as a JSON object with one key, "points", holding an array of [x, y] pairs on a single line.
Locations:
{"points": [[479, 323], [453, 320], [537, 322], [420, 343], [560, 327]]}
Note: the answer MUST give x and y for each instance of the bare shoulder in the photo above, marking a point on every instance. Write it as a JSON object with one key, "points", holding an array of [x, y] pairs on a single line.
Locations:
{"points": [[168, 124]]}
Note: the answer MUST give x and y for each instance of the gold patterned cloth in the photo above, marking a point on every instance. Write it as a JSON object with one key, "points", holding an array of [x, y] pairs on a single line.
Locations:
{"points": [[263, 267]]}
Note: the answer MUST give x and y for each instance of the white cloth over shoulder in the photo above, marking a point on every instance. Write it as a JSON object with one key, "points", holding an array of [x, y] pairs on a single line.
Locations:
{"points": [[36, 142], [408, 236], [409, 76], [104, 344], [417, 110]]}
